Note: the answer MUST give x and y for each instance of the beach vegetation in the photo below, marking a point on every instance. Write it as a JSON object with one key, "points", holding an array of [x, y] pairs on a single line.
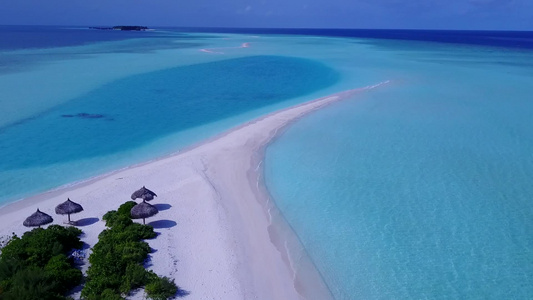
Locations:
{"points": [[37, 265], [4, 240], [161, 288], [118, 257]]}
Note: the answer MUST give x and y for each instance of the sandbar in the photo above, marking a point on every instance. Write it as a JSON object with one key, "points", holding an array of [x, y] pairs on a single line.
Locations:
{"points": [[216, 233]]}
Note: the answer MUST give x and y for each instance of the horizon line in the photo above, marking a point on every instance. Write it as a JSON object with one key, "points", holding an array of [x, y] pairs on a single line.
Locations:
{"points": [[277, 28]]}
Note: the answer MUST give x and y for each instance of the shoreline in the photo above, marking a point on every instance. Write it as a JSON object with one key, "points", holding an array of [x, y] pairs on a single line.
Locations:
{"points": [[220, 232]]}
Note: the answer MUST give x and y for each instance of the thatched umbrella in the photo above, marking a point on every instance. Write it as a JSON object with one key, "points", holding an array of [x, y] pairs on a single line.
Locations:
{"points": [[68, 207], [38, 218], [147, 197], [143, 210], [143, 193]]}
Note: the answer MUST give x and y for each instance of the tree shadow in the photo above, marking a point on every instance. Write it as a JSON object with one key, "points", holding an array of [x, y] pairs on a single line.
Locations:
{"points": [[85, 246], [162, 206], [162, 224], [80, 256], [77, 289], [182, 293], [86, 222], [147, 263]]}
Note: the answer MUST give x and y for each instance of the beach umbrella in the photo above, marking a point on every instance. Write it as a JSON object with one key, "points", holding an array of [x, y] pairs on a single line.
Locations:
{"points": [[143, 193], [38, 218], [143, 210], [147, 197], [68, 207]]}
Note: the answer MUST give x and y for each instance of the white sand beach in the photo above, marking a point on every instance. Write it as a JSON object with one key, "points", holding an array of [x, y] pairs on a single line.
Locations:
{"points": [[216, 238]]}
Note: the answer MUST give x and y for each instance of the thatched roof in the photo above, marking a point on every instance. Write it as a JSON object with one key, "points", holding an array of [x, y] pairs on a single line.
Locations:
{"points": [[68, 207], [38, 218], [147, 197], [143, 210], [143, 193]]}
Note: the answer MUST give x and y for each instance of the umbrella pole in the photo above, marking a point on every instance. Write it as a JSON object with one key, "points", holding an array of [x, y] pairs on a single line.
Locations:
{"points": [[144, 223], [69, 218]]}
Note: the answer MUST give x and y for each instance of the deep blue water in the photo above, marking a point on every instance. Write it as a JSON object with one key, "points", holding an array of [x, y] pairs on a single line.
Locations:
{"points": [[509, 39], [27, 37], [20, 37], [50, 43]]}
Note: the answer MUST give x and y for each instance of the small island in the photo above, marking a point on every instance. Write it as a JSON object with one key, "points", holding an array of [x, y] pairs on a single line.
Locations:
{"points": [[123, 28]]}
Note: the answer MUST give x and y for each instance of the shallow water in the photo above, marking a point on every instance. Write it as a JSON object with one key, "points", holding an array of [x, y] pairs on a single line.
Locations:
{"points": [[421, 189]]}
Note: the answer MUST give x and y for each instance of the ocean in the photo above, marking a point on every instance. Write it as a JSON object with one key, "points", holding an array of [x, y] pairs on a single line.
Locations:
{"points": [[419, 189]]}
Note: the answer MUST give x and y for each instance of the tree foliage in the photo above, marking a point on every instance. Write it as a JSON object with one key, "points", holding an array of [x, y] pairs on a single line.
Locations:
{"points": [[36, 266], [161, 288], [116, 260]]}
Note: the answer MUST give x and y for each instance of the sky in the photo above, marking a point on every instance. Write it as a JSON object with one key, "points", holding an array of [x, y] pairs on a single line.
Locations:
{"points": [[386, 14]]}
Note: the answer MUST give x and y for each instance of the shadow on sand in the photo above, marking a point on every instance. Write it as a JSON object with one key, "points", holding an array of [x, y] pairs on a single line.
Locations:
{"points": [[85, 246], [162, 224], [182, 293], [86, 221], [162, 206]]}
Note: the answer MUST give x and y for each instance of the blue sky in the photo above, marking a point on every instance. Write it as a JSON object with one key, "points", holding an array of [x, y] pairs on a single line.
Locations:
{"points": [[415, 14]]}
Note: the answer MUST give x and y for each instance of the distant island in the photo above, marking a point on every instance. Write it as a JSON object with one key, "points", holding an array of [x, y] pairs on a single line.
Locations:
{"points": [[124, 28]]}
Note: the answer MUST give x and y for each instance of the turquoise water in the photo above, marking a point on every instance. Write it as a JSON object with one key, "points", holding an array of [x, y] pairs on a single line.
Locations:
{"points": [[420, 189], [141, 109], [79, 110]]}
